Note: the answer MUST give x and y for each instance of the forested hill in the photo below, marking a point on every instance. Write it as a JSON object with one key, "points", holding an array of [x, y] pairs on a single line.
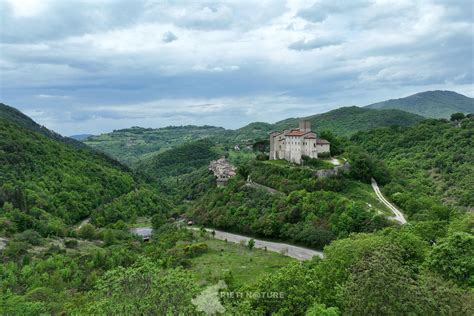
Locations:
{"points": [[435, 104], [15, 116], [45, 184], [343, 121], [430, 160], [133, 144]]}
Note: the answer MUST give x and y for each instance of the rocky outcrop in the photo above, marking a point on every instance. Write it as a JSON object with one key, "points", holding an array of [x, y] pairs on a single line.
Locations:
{"points": [[325, 173]]}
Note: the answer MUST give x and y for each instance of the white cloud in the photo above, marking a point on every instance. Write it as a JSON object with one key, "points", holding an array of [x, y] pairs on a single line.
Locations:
{"points": [[27, 8]]}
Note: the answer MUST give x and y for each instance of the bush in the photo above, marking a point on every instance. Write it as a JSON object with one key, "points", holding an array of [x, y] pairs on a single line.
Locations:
{"points": [[71, 243], [457, 116], [87, 232], [30, 236]]}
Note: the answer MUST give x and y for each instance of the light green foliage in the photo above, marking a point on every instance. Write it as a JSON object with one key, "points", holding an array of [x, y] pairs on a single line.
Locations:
{"points": [[144, 289], [322, 310], [288, 291], [234, 264], [134, 144], [453, 258]]}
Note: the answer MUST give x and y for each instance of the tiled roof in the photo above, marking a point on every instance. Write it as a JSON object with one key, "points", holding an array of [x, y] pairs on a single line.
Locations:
{"points": [[310, 137], [322, 142], [295, 132]]}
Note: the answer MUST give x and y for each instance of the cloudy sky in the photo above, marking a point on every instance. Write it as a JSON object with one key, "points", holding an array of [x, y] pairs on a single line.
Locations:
{"points": [[94, 66]]}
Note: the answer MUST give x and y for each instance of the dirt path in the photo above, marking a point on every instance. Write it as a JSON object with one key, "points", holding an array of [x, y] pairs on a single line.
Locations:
{"points": [[398, 215], [84, 222], [261, 186]]}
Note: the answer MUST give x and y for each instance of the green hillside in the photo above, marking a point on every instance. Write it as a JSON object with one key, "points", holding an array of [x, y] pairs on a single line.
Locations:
{"points": [[349, 120], [133, 144], [344, 121], [431, 161], [435, 104], [45, 178], [179, 160]]}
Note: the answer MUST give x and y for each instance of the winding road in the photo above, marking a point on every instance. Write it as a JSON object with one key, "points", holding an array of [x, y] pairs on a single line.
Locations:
{"points": [[299, 253], [398, 215]]}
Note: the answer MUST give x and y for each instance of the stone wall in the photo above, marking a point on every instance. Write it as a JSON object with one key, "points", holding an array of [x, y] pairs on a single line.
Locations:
{"points": [[325, 173]]}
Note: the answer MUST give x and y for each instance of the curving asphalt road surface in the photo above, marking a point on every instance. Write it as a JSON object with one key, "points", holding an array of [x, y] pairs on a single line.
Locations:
{"points": [[299, 253], [398, 215]]}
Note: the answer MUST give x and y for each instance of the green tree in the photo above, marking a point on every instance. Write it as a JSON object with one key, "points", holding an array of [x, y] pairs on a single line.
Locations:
{"points": [[144, 289], [379, 284], [453, 258], [251, 244], [457, 116]]}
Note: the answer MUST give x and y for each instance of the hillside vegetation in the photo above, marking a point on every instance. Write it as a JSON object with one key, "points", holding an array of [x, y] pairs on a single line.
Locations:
{"points": [[134, 144], [433, 160], [52, 265], [434, 104], [348, 120], [180, 160]]}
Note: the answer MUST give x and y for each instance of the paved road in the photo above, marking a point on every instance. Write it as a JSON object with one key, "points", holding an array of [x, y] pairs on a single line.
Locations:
{"points": [[398, 215], [299, 253]]}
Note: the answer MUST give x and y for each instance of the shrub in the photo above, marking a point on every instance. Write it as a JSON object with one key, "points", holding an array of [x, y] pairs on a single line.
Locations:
{"points": [[71, 243]]}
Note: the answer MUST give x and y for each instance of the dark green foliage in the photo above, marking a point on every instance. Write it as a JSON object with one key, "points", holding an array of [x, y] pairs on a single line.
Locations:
{"points": [[431, 162], [457, 116], [310, 218], [346, 121], [436, 104], [143, 201], [180, 160], [43, 178]]}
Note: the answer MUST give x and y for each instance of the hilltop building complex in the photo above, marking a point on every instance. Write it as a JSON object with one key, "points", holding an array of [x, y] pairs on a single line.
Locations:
{"points": [[293, 144]]}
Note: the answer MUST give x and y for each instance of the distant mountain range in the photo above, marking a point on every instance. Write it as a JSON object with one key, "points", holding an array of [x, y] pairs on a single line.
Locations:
{"points": [[81, 137], [434, 104], [135, 144]]}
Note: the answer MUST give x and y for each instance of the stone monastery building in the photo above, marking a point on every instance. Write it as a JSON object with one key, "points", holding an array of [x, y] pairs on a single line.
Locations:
{"points": [[295, 143]]}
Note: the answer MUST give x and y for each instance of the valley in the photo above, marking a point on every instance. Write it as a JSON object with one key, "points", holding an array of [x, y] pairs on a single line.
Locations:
{"points": [[325, 237]]}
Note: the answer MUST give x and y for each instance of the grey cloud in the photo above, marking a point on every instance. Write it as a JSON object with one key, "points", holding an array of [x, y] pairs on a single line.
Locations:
{"points": [[67, 18], [313, 44], [169, 37]]}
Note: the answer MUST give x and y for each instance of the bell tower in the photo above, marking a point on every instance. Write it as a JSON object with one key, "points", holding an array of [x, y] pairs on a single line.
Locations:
{"points": [[305, 126]]}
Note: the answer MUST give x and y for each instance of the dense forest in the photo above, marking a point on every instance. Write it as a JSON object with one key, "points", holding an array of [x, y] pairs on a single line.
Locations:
{"points": [[180, 160], [431, 162], [66, 214]]}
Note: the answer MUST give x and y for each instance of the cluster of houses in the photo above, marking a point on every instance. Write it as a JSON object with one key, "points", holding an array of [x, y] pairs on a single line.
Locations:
{"points": [[223, 170]]}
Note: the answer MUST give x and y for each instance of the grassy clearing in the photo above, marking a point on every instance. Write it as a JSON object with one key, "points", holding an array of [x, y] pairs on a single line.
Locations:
{"points": [[280, 162], [226, 259]]}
